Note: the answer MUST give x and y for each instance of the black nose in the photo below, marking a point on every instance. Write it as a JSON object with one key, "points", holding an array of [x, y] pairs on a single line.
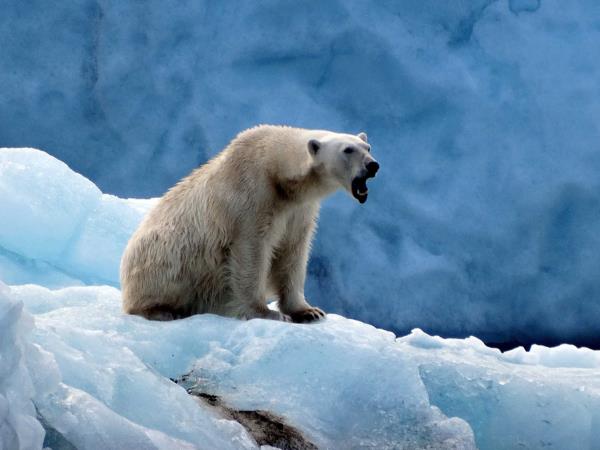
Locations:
{"points": [[372, 168]]}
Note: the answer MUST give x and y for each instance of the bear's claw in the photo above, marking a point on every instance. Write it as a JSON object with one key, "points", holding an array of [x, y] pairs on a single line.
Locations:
{"points": [[307, 315]]}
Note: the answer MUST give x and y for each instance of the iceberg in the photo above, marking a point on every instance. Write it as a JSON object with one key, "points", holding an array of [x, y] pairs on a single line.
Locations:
{"points": [[77, 373], [115, 373], [104, 379]]}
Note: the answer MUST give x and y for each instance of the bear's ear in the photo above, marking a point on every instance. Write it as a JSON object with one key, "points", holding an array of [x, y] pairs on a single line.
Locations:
{"points": [[363, 136], [313, 146]]}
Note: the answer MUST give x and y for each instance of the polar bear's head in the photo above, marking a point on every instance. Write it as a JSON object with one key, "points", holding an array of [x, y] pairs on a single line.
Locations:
{"points": [[346, 160]]}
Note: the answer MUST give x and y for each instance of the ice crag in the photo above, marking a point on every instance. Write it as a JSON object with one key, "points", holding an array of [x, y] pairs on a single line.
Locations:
{"points": [[343, 383], [96, 378], [104, 382], [545, 398], [19, 427], [52, 217]]}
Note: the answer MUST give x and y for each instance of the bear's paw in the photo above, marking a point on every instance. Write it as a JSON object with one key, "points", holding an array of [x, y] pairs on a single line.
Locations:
{"points": [[307, 315]]}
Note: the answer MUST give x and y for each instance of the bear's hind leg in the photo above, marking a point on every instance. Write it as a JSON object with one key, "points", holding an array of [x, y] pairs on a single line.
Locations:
{"points": [[257, 311], [161, 313], [275, 315]]}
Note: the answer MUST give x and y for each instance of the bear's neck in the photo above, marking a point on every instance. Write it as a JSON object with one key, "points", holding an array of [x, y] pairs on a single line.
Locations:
{"points": [[306, 187]]}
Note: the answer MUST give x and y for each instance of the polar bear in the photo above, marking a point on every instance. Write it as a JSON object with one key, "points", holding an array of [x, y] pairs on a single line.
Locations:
{"points": [[238, 229]]}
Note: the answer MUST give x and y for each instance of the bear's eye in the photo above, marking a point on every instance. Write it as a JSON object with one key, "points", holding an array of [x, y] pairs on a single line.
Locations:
{"points": [[348, 150]]}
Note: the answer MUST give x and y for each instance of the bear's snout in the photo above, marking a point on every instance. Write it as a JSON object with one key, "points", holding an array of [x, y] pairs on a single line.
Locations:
{"points": [[372, 168]]}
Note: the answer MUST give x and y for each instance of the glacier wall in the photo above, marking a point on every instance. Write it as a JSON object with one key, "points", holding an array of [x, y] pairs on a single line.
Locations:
{"points": [[483, 115]]}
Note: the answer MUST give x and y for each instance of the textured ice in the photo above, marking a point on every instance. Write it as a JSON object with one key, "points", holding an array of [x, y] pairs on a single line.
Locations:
{"points": [[482, 113], [548, 401], [343, 383], [95, 392], [100, 379], [19, 428], [56, 227]]}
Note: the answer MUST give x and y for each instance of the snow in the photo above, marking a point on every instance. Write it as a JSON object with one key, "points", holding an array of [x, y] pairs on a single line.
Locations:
{"points": [[483, 115]]}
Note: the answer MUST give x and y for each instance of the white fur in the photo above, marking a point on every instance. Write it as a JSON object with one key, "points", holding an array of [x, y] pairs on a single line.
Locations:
{"points": [[238, 229]]}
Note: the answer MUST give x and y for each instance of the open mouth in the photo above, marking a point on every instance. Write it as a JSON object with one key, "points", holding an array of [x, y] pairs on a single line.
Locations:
{"points": [[359, 189]]}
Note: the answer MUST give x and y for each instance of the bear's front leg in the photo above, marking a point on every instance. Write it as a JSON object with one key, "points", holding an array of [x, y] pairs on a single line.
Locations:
{"points": [[248, 267], [288, 270]]}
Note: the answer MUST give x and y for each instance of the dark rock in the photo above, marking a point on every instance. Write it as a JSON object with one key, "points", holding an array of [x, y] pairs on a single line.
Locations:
{"points": [[265, 427]]}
